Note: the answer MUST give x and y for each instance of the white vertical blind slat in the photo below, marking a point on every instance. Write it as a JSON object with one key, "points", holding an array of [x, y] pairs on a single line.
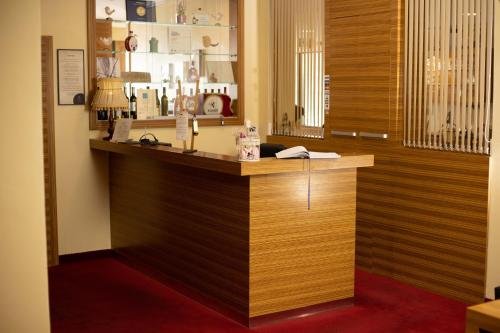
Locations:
{"points": [[406, 95], [482, 77], [470, 79], [421, 72], [448, 74], [490, 10]]}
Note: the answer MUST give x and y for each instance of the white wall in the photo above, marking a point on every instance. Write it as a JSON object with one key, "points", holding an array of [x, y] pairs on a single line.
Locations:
{"points": [[493, 260], [82, 191], [23, 274]]}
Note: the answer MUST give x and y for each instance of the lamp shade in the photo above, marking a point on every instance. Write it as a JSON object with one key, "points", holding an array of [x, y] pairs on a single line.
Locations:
{"points": [[110, 94], [136, 77]]}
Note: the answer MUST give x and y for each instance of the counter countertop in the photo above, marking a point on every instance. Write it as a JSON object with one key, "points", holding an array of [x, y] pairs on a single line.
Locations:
{"points": [[230, 164]]}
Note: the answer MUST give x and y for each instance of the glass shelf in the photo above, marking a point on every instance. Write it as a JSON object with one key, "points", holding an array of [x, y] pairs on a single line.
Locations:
{"points": [[211, 47], [219, 26], [187, 83], [165, 53]]}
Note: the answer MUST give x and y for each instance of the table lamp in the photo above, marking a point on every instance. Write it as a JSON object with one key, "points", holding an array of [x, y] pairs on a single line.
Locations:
{"points": [[110, 96]]}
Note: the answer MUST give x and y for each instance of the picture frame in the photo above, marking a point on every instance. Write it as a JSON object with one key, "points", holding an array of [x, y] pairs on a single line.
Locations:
{"points": [[141, 10], [71, 77]]}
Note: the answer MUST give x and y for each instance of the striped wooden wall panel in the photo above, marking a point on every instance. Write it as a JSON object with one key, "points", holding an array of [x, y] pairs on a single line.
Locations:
{"points": [[282, 240], [162, 220], [360, 62], [422, 218], [421, 215], [49, 150], [348, 8]]}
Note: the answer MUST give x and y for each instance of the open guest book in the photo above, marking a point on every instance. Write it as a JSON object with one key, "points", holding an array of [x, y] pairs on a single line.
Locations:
{"points": [[302, 152]]}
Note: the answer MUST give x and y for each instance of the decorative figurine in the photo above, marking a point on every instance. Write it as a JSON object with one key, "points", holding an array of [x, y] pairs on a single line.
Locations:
{"points": [[207, 42], [192, 73], [181, 12], [153, 45], [109, 12]]}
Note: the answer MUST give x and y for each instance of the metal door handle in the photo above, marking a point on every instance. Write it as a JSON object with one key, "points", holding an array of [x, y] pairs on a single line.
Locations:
{"points": [[383, 136]]}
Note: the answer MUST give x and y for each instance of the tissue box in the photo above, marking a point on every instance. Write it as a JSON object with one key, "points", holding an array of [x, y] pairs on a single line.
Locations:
{"points": [[249, 149]]}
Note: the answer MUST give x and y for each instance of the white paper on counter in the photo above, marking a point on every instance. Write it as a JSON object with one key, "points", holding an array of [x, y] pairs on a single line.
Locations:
{"points": [[182, 126]]}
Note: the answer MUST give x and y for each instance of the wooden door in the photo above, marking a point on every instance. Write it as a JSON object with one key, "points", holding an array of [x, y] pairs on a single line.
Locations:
{"points": [[49, 150]]}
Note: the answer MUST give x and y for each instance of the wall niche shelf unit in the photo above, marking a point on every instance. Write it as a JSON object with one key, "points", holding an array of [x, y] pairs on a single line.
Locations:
{"points": [[210, 42]]}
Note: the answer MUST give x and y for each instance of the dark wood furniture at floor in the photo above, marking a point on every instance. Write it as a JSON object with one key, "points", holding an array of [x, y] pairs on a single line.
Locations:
{"points": [[483, 318], [240, 234], [49, 153]]}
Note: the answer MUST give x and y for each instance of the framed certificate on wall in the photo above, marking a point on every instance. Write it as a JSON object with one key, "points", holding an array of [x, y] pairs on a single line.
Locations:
{"points": [[70, 77]]}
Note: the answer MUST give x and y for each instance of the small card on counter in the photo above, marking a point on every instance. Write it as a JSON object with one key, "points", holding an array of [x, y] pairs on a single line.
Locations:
{"points": [[182, 126], [122, 130]]}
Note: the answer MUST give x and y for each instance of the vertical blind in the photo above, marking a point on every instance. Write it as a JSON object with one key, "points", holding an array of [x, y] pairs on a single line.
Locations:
{"points": [[298, 67], [448, 73]]}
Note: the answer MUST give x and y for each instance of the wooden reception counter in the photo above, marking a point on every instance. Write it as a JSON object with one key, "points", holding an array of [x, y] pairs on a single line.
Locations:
{"points": [[239, 234]]}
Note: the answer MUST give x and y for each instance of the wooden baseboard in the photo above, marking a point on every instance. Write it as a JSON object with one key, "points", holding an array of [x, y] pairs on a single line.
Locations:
{"points": [[312, 310], [76, 257]]}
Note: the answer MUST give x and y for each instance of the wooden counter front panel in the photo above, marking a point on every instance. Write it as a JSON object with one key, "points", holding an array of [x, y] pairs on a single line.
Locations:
{"points": [[299, 257], [186, 224]]}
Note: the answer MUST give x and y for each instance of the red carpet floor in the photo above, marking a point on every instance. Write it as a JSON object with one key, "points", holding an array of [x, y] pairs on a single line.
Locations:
{"points": [[104, 295]]}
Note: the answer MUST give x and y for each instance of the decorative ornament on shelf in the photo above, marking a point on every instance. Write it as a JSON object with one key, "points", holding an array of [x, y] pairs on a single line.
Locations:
{"points": [[193, 75], [153, 45], [109, 12], [213, 78], [181, 12], [131, 43], [207, 42]]}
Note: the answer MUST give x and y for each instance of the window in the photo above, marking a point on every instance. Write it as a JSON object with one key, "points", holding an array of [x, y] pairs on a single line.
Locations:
{"points": [[298, 67], [448, 74]]}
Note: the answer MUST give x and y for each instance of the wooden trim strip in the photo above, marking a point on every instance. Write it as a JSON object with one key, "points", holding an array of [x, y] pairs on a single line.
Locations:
{"points": [[49, 149]]}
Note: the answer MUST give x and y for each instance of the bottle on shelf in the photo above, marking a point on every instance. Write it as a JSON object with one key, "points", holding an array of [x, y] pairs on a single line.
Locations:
{"points": [[171, 107], [226, 109], [192, 73], [125, 113], [190, 102], [164, 103], [158, 104], [133, 104], [178, 104]]}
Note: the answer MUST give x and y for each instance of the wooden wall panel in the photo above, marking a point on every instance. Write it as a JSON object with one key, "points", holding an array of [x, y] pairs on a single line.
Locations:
{"points": [[347, 8], [301, 257], [358, 58], [421, 214], [153, 223], [49, 151]]}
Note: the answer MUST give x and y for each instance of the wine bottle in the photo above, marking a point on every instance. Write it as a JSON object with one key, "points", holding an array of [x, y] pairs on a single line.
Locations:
{"points": [[158, 105], [178, 102], [226, 109], [125, 113], [164, 103], [133, 105], [190, 102]]}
